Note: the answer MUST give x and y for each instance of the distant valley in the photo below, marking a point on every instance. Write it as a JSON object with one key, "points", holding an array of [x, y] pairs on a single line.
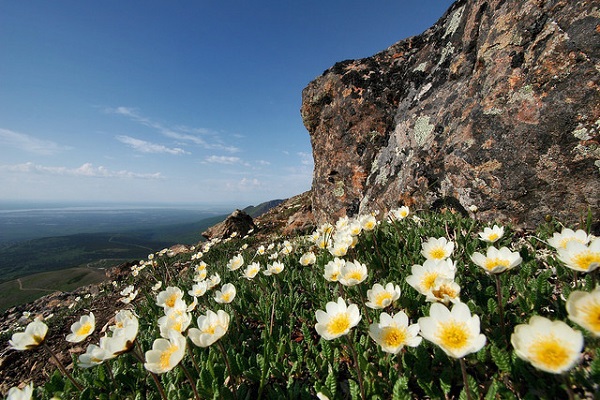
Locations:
{"points": [[42, 250]]}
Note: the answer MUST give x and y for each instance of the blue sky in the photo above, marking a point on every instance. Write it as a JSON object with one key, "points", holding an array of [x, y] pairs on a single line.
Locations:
{"points": [[174, 101]]}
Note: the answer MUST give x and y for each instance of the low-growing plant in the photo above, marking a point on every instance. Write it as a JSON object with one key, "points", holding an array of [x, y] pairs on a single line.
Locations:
{"points": [[342, 313]]}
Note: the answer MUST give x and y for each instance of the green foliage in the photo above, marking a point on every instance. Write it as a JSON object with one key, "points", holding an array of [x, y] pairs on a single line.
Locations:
{"points": [[273, 350]]}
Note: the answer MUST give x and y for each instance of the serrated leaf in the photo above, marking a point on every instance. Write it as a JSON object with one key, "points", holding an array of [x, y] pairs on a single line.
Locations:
{"points": [[492, 391], [399, 391], [501, 359], [331, 383], [354, 390]]}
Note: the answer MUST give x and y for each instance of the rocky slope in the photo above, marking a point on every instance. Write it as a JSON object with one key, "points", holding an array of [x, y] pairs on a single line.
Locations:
{"points": [[496, 105]]}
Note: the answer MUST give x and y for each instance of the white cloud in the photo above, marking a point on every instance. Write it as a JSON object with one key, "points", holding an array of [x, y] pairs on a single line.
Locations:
{"points": [[85, 170], [148, 147], [29, 143], [209, 140], [222, 160]]}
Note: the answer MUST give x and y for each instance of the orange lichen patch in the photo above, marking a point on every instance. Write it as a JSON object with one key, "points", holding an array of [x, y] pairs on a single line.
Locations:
{"points": [[488, 144], [529, 112], [358, 178]]}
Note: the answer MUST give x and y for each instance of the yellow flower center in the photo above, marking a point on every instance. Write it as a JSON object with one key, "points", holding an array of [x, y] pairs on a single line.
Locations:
{"points": [[170, 302], [356, 275], [445, 290], [453, 335], [591, 312], [226, 297], [392, 336], [403, 213], [586, 260], [491, 263], [428, 280], [493, 237], [210, 330], [550, 353], [84, 329], [383, 299], [338, 324], [438, 253], [334, 277], [165, 357]]}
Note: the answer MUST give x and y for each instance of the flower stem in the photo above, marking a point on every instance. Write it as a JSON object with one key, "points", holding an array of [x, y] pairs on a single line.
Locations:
{"points": [[62, 368], [137, 353], [190, 380], [463, 368], [358, 372], [220, 346], [501, 308], [568, 387]]}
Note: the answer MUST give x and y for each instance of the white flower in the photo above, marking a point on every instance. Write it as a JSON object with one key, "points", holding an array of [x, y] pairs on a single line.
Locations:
{"points": [[251, 270], [274, 269], [200, 275], [398, 213], [337, 320], [168, 297], [81, 329], [437, 249], [226, 294], [34, 335], [165, 353], [584, 309], [353, 273], [14, 393], [455, 331], [368, 222], [550, 346], [286, 247], [423, 276], [580, 257], [211, 327], [560, 240], [174, 319], [444, 290], [393, 333], [213, 280], [333, 269], [198, 289], [308, 258], [156, 286], [261, 250], [491, 235], [235, 263], [380, 297], [94, 355], [496, 260]]}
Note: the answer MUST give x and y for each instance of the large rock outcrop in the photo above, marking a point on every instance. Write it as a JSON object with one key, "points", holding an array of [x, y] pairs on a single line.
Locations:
{"points": [[497, 105]]}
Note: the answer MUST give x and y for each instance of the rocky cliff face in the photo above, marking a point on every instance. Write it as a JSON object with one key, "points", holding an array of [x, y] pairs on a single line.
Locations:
{"points": [[497, 105]]}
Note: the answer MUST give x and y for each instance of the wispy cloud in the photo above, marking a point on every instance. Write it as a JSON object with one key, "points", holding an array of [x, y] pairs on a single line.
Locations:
{"points": [[29, 143], [147, 147], [85, 170], [222, 160], [199, 136]]}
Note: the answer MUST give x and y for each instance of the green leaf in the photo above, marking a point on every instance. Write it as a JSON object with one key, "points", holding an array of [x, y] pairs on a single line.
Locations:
{"points": [[492, 391], [354, 390], [331, 383], [501, 359], [400, 390]]}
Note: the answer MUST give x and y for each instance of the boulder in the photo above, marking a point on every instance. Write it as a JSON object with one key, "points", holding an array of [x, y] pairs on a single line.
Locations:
{"points": [[238, 223], [496, 106]]}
